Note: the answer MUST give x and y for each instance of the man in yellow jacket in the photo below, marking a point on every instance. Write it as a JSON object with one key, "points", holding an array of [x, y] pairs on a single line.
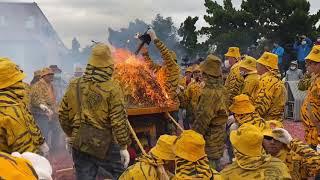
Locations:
{"points": [[310, 110], [18, 131], [300, 166], [191, 159], [234, 81], [43, 102], [92, 114], [248, 71], [243, 112], [156, 164], [186, 80], [270, 97], [190, 97], [211, 111], [251, 161]]}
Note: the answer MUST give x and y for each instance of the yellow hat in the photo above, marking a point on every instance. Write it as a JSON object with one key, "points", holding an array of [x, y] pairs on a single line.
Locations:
{"points": [[247, 139], [37, 73], [196, 68], [249, 63], [189, 69], [233, 52], [314, 55], [242, 105], [190, 146], [269, 59], [46, 71], [163, 148], [9, 73], [211, 66], [16, 168], [270, 125], [101, 56]]}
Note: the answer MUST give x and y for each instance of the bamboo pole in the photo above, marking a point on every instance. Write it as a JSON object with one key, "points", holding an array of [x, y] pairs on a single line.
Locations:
{"points": [[174, 121], [136, 138]]}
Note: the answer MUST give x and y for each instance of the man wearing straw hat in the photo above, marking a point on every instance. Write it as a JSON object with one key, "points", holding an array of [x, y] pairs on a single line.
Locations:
{"points": [[270, 97], [154, 165], [92, 114], [211, 110]]}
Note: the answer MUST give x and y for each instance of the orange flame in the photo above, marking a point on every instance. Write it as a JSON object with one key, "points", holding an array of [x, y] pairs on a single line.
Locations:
{"points": [[141, 86]]}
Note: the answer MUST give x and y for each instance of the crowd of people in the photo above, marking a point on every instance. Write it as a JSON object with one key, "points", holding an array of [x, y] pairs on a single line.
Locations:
{"points": [[242, 114]]}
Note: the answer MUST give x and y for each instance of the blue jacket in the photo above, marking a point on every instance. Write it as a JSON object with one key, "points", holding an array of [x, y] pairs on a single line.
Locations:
{"points": [[278, 51], [303, 50]]}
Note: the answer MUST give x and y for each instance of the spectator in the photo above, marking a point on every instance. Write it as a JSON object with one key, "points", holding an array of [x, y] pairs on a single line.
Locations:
{"points": [[278, 50], [302, 46], [294, 74], [318, 41]]}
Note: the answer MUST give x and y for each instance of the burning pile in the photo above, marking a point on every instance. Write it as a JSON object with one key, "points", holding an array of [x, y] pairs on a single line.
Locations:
{"points": [[139, 83]]}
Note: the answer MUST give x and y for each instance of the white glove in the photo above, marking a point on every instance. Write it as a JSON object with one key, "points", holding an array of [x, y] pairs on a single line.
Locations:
{"points": [[44, 148], [231, 120], [282, 135], [44, 107], [125, 157], [68, 144], [234, 127], [152, 34], [179, 89]]}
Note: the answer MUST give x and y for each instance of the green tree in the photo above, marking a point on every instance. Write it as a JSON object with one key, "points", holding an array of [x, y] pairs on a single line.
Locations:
{"points": [[271, 19], [189, 36]]}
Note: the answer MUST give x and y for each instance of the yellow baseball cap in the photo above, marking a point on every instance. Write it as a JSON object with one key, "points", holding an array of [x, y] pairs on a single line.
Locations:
{"points": [[189, 69], [163, 148], [190, 146], [233, 52], [196, 68], [249, 63], [9, 73], [269, 59], [242, 105], [314, 55], [211, 66], [270, 125], [247, 139], [101, 56], [46, 71]]}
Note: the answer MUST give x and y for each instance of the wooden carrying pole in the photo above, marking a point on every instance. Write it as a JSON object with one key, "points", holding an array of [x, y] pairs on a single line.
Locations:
{"points": [[174, 121], [136, 138]]}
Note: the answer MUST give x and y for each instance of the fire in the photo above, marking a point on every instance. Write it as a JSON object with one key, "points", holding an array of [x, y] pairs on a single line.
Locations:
{"points": [[141, 86]]}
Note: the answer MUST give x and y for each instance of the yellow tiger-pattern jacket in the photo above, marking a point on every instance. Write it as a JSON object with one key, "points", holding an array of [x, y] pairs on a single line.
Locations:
{"points": [[211, 117], [26, 99], [194, 170], [251, 84], [252, 118], [234, 83], [102, 102], [264, 168], [144, 168], [183, 82], [18, 131], [42, 93], [270, 98], [170, 70], [13, 168], [305, 82], [310, 111], [310, 159], [190, 98]]}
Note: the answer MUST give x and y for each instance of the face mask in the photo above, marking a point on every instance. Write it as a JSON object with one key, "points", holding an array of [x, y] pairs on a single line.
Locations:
{"points": [[304, 42], [57, 76], [293, 67], [227, 64]]}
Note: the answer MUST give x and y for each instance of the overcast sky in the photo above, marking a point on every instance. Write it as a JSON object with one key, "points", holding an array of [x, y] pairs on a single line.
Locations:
{"points": [[89, 19]]}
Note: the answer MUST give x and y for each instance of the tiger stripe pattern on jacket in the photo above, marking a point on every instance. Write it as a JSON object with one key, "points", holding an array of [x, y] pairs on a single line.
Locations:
{"points": [[234, 83], [270, 98], [103, 105], [310, 112], [18, 130], [192, 170]]}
